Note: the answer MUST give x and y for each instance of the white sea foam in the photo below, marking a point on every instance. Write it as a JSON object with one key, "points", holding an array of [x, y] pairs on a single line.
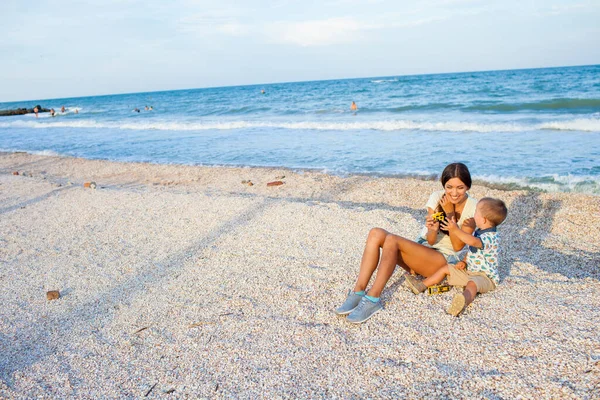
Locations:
{"points": [[584, 124], [40, 153], [552, 183], [384, 80], [304, 125], [83, 123]]}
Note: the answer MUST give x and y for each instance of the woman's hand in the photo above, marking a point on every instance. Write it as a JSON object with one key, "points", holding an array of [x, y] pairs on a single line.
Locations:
{"points": [[447, 206], [431, 224], [469, 225]]}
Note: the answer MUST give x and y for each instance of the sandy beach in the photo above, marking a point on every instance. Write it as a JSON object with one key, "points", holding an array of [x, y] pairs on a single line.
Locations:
{"points": [[182, 282]]}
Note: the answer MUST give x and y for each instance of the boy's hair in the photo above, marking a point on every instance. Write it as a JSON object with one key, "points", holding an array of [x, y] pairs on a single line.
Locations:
{"points": [[494, 210]]}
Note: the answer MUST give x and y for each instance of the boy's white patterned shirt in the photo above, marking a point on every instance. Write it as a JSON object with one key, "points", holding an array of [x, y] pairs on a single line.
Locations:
{"points": [[485, 259]]}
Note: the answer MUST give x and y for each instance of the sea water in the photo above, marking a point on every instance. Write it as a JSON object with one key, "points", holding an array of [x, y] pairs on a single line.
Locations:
{"points": [[536, 128]]}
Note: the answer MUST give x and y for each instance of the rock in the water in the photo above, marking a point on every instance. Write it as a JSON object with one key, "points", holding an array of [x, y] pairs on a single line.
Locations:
{"points": [[21, 111]]}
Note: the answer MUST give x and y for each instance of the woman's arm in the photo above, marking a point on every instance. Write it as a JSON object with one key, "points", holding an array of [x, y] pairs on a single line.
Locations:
{"points": [[432, 227], [468, 225], [448, 207]]}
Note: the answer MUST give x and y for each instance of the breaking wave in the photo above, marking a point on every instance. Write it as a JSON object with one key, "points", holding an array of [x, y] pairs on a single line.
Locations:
{"points": [[583, 124]]}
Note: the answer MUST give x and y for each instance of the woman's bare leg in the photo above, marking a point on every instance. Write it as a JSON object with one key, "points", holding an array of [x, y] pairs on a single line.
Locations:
{"points": [[423, 260], [387, 265], [370, 257], [408, 254]]}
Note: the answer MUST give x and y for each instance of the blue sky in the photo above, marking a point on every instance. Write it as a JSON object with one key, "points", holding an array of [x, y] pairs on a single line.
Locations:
{"points": [[64, 48]]}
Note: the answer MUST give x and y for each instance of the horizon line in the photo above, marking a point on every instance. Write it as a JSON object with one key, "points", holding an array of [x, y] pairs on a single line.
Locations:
{"points": [[290, 82]]}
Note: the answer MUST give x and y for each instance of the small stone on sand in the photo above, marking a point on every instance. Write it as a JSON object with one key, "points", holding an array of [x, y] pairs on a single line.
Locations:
{"points": [[52, 294]]}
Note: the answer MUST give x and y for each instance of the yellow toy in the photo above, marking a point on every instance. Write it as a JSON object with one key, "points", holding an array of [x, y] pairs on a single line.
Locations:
{"points": [[438, 216], [437, 289]]}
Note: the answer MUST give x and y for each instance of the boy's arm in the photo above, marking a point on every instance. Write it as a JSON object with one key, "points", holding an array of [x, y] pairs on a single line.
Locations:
{"points": [[463, 237], [468, 227]]}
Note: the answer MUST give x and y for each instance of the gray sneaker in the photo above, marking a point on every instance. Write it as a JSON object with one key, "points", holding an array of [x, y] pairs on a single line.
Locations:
{"points": [[350, 304], [413, 284], [365, 310]]}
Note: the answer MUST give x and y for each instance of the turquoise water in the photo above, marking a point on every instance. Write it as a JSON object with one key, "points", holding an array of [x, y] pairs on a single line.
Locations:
{"points": [[537, 128]]}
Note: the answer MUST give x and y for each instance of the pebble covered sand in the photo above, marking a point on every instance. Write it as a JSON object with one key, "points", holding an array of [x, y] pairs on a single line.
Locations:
{"points": [[182, 282]]}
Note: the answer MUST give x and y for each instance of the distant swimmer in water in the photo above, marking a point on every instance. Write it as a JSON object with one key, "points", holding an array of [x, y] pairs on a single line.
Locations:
{"points": [[76, 111], [146, 108], [35, 110], [62, 110], [262, 91], [353, 107], [52, 112], [136, 109], [151, 108]]}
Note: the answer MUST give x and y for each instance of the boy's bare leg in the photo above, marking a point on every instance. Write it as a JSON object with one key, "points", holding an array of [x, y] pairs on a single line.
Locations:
{"points": [[462, 300], [470, 292], [370, 257], [437, 277]]}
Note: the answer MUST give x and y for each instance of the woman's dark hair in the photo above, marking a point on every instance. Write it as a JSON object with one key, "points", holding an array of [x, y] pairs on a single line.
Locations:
{"points": [[456, 170]]}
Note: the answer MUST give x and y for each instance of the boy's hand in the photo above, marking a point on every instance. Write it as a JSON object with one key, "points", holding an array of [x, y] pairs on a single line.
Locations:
{"points": [[460, 265], [447, 205], [449, 224], [469, 223]]}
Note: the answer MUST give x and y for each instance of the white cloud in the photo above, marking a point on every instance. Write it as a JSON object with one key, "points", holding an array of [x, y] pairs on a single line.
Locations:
{"points": [[212, 20], [233, 29], [569, 8], [417, 22], [316, 32]]}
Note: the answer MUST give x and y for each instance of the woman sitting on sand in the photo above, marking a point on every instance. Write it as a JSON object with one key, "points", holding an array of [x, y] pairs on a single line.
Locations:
{"points": [[432, 250]]}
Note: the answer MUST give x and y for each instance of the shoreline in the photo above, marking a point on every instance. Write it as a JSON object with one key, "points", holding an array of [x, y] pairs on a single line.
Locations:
{"points": [[181, 279], [501, 186]]}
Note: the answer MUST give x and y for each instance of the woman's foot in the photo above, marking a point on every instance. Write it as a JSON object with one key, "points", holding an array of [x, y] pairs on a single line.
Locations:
{"points": [[365, 310], [413, 284], [350, 304]]}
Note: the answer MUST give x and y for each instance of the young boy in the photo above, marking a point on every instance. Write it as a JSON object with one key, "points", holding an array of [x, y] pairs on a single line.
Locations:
{"points": [[481, 260]]}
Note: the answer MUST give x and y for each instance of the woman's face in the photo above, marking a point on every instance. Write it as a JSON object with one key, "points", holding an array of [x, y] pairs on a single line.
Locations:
{"points": [[456, 190]]}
